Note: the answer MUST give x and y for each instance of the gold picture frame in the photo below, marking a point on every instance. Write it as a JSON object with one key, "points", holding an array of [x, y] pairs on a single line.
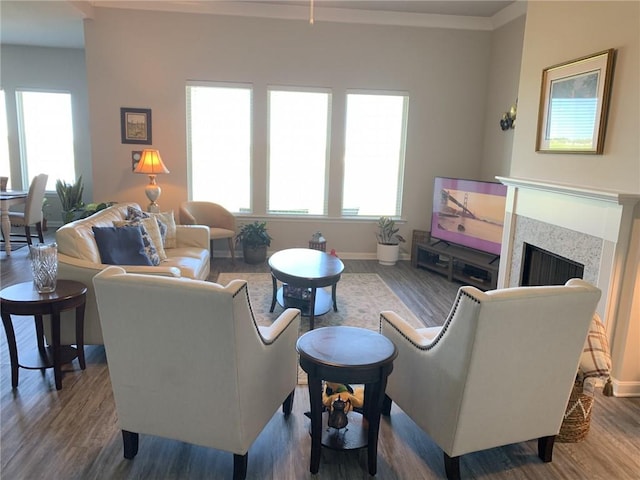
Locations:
{"points": [[574, 101]]}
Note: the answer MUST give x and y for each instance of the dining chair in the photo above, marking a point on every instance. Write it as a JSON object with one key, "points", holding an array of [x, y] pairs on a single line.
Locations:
{"points": [[32, 214]]}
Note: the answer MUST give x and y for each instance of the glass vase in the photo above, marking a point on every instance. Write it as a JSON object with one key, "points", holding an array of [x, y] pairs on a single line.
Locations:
{"points": [[44, 265]]}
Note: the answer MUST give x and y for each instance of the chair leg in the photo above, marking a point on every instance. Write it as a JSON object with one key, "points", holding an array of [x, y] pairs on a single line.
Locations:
{"points": [[40, 234], [452, 467], [545, 448], [232, 250], [287, 406], [130, 441], [386, 406], [27, 232], [240, 466]]}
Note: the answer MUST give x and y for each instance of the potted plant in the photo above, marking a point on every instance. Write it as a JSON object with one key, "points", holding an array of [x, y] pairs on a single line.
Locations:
{"points": [[388, 241], [45, 207], [71, 199], [254, 239], [91, 208]]}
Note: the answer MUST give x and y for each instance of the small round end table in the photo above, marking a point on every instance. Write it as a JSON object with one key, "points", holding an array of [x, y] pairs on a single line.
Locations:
{"points": [[347, 355], [306, 268], [24, 299]]}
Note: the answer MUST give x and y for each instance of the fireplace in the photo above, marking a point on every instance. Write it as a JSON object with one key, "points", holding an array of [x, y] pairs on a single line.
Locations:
{"points": [[540, 267], [597, 230]]}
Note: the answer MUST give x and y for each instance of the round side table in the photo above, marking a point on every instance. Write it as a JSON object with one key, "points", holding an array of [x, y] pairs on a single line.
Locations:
{"points": [[347, 355], [306, 268], [23, 299]]}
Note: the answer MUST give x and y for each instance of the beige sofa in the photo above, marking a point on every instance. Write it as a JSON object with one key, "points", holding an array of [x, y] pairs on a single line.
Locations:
{"points": [[79, 259]]}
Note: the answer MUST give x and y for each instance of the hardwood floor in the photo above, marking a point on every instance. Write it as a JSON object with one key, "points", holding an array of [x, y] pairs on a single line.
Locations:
{"points": [[73, 433]]}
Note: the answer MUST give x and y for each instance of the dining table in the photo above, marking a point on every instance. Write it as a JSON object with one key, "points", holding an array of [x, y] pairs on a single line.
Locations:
{"points": [[8, 199]]}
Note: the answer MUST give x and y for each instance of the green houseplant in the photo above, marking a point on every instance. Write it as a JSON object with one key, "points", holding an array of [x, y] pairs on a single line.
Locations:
{"points": [[73, 208], [70, 196], [91, 208], [388, 241], [254, 239], [45, 207]]}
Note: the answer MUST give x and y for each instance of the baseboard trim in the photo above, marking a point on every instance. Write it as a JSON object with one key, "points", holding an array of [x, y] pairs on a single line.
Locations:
{"points": [[625, 389], [344, 256]]}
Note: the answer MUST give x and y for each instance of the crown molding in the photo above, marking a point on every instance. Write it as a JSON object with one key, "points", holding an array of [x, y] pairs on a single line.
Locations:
{"points": [[322, 14], [508, 14]]}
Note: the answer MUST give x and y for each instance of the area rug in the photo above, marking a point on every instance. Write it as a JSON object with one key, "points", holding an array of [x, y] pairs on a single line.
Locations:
{"points": [[361, 297], [14, 246]]}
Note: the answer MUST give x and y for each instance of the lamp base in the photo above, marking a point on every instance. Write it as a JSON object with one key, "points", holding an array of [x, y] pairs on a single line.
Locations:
{"points": [[153, 191]]}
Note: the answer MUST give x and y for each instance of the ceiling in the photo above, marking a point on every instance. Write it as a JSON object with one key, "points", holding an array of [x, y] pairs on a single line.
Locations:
{"points": [[58, 23]]}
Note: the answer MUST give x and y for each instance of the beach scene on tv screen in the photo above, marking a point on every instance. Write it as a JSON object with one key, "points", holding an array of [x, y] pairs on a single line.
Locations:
{"points": [[478, 217]]}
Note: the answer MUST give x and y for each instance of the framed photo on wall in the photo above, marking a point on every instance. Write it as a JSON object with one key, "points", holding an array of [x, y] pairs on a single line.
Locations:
{"points": [[574, 100], [135, 125]]}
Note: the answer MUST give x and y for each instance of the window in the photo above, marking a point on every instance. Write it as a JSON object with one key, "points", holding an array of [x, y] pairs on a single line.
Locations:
{"points": [[45, 129], [5, 166], [374, 154], [298, 140], [219, 144]]}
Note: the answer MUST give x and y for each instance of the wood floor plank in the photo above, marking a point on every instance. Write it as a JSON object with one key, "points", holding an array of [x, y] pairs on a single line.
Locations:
{"points": [[73, 433]]}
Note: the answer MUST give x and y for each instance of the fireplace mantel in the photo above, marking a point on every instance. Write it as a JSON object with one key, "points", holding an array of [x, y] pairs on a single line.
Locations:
{"points": [[594, 227], [602, 195]]}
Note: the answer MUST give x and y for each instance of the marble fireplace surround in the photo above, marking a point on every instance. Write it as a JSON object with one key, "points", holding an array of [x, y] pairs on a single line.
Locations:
{"points": [[592, 227]]}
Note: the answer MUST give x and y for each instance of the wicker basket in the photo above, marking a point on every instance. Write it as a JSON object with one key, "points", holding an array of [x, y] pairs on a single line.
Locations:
{"points": [[322, 246], [577, 417]]}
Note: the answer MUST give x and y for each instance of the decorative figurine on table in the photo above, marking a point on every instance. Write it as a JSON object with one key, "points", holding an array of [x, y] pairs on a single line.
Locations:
{"points": [[318, 242], [339, 399], [337, 416]]}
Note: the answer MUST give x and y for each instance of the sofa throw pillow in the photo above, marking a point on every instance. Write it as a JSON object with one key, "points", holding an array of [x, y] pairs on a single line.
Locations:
{"points": [[134, 213], [595, 360], [167, 219], [120, 246], [150, 237]]}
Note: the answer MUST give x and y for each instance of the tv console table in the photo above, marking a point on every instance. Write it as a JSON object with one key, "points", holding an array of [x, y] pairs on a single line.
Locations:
{"points": [[456, 263]]}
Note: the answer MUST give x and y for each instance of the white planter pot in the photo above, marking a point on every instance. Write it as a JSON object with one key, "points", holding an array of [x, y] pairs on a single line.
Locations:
{"points": [[388, 254]]}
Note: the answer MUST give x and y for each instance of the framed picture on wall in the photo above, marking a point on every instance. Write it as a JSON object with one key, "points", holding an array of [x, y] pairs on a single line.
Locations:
{"points": [[135, 125], [574, 100]]}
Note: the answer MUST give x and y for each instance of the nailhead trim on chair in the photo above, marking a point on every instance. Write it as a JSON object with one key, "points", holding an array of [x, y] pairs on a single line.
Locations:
{"points": [[444, 327], [245, 288]]}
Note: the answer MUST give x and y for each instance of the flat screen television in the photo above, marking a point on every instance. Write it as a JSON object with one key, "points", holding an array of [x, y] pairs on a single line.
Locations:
{"points": [[469, 213]]}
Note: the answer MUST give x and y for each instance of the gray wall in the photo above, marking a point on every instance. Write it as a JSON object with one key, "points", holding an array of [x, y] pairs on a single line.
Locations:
{"points": [[61, 69], [446, 72], [504, 68], [557, 32]]}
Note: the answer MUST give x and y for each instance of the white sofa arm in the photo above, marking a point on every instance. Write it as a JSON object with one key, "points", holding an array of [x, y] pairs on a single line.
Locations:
{"points": [[192, 236]]}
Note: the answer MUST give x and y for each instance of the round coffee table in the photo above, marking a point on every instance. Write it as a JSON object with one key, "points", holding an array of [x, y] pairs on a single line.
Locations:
{"points": [[346, 355], [306, 268], [23, 299]]}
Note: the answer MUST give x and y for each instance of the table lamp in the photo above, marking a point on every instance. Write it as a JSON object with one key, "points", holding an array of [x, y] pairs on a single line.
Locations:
{"points": [[151, 164]]}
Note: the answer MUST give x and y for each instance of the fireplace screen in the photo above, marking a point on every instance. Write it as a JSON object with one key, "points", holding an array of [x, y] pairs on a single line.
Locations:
{"points": [[540, 267]]}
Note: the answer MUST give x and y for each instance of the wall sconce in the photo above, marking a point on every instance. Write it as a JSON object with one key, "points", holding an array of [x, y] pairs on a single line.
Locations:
{"points": [[508, 119]]}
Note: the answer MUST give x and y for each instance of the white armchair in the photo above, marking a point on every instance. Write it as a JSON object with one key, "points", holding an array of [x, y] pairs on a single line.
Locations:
{"points": [[188, 362], [499, 371]]}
